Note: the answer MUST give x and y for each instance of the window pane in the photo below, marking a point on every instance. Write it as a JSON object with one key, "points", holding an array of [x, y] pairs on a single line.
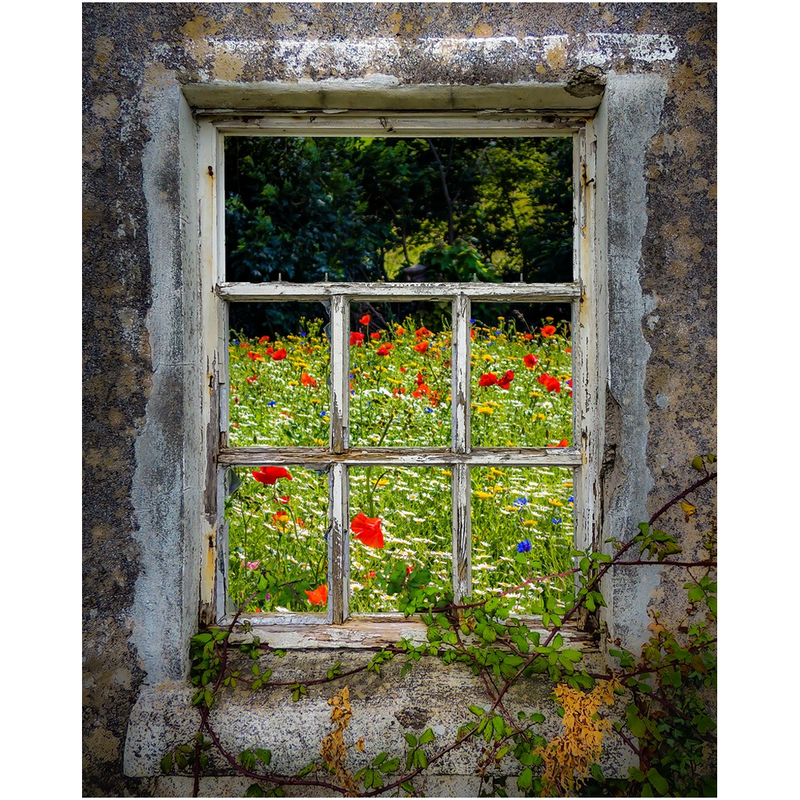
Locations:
{"points": [[279, 377], [400, 375], [367, 209], [400, 529], [277, 519], [522, 532], [521, 377]]}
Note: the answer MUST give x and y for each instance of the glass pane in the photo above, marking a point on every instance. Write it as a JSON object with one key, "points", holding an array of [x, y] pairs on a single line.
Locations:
{"points": [[400, 532], [521, 377], [365, 209], [279, 377], [522, 532], [277, 520], [400, 370]]}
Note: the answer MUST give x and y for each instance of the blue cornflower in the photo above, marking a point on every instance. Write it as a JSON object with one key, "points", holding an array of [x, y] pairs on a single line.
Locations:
{"points": [[303, 333], [323, 413], [521, 501], [524, 547], [429, 411], [235, 342], [472, 320], [556, 520], [571, 499], [272, 403]]}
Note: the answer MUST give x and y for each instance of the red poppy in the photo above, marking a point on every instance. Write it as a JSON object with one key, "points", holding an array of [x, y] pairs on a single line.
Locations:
{"points": [[279, 354], [420, 379], [365, 319], [356, 339], [421, 347], [551, 384], [368, 530], [269, 475], [307, 380], [375, 335], [562, 443], [548, 330], [399, 390], [487, 379], [280, 517], [403, 369], [504, 382], [384, 349], [285, 499], [263, 340], [530, 360], [423, 331], [528, 336], [318, 596], [399, 331], [421, 390], [269, 350], [255, 356], [251, 380]]}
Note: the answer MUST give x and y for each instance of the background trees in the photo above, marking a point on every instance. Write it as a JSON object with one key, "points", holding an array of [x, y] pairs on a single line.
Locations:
{"points": [[379, 209]]}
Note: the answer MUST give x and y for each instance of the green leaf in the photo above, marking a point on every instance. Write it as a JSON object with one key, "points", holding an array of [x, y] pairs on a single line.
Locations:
{"points": [[264, 756], [635, 723], [254, 790], [525, 779], [697, 463], [166, 763], [427, 736], [411, 739], [476, 710], [390, 766], [659, 783]]}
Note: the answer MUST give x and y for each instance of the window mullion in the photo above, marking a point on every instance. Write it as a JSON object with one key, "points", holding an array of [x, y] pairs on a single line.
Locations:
{"points": [[460, 405], [338, 546], [338, 541]]}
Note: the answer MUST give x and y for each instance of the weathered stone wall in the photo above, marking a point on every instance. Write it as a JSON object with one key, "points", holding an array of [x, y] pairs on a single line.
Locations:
{"points": [[662, 398]]}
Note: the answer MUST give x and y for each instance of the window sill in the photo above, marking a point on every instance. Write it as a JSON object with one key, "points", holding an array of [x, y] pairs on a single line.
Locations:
{"points": [[367, 632]]}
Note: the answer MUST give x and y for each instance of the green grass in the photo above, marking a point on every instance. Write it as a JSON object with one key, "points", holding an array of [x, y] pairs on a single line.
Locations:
{"points": [[400, 396]]}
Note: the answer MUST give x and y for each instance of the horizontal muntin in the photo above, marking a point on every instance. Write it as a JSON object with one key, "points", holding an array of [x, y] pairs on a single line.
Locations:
{"points": [[275, 291], [401, 457]]}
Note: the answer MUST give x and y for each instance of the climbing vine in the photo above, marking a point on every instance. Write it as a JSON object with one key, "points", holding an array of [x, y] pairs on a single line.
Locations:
{"points": [[655, 702]]}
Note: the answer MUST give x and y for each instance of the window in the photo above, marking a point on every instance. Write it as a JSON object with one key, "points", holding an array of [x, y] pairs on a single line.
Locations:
{"points": [[340, 458]]}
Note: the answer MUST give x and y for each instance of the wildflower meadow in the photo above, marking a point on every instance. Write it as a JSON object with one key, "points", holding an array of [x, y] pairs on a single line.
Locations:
{"points": [[522, 521]]}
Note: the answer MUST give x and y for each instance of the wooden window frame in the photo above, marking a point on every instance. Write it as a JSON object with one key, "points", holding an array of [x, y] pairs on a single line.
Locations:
{"points": [[589, 346]]}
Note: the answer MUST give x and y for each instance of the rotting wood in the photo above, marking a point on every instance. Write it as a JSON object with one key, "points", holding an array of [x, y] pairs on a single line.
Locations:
{"points": [[338, 546], [365, 633], [274, 292], [318, 458]]}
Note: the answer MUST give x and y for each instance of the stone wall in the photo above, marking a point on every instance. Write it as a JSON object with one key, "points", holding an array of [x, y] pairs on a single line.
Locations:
{"points": [[655, 62]]}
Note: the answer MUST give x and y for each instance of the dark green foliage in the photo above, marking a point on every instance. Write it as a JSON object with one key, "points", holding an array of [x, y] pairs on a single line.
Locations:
{"points": [[358, 209]]}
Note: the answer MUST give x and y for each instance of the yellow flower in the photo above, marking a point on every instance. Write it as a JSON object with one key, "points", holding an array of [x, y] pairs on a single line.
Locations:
{"points": [[482, 495], [557, 503], [485, 410], [529, 522]]}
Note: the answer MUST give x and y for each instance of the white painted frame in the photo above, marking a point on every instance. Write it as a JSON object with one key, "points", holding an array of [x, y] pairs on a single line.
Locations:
{"points": [[586, 293]]}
